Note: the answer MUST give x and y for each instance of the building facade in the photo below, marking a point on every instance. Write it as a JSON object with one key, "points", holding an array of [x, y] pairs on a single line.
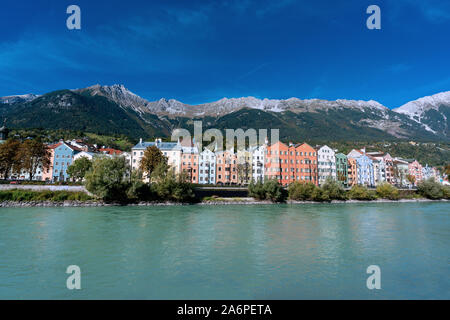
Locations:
{"points": [[207, 167], [342, 169], [415, 170], [63, 158], [171, 150], [326, 164], [258, 160], [291, 163], [226, 167]]}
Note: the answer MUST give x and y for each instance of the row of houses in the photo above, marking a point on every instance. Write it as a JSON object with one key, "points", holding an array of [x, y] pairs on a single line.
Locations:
{"points": [[287, 163], [62, 155]]}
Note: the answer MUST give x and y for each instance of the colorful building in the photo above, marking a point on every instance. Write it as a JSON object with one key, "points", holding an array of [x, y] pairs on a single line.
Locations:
{"points": [[244, 166], [258, 156], [207, 167], [291, 163], [342, 169], [189, 161], [326, 164], [226, 167], [171, 150], [63, 158], [415, 170]]}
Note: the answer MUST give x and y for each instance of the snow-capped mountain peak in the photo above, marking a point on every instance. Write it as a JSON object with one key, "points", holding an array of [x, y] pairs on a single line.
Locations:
{"points": [[18, 98]]}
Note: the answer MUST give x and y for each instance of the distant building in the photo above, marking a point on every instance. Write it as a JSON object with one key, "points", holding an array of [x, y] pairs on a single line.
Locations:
{"points": [[172, 150], [326, 164], [352, 176], [258, 156], [401, 171], [110, 151], [342, 169], [207, 167], [364, 166], [189, 160], [62, 159], [415, 170], [244, 166], [291, 163], [226, 172]]}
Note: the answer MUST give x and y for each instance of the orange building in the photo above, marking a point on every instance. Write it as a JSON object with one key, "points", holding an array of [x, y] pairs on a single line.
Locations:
{"points": [[189, 161], [291, 163], [47, 174], [226, 168], [352, 172]]}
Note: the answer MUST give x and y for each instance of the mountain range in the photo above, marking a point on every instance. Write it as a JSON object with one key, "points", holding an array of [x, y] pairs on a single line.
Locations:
{"points": [[116, 110]]}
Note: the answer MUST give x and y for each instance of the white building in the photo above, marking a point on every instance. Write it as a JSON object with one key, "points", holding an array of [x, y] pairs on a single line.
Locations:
{"points": [[258, 160], [326, 159], [207, 167], [172, 150]]}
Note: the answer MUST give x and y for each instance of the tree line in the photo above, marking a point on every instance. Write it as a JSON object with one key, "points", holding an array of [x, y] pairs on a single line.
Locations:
{"points": [[23, 156]]}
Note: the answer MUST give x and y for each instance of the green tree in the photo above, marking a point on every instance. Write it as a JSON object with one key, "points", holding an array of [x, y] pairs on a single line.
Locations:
{"points": [[387, 191], [430, 189], [302, 191], [108, 178], [174, 188], [359, 192], [333, 190], [160, 172], [256, 190], [151, 159], [8, 156], [78, 169], [269, 190], [411, 179], [31, 154]]}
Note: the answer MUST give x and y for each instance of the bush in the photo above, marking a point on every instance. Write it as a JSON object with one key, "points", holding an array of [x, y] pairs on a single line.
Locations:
{"points": [[430, 189], [387, 191], [269, 190], [301, 191], [256, 190], [107, 179], [446, 190], [333, 190], [27, 195], [274, 191], [173, 188], [358, 192]]}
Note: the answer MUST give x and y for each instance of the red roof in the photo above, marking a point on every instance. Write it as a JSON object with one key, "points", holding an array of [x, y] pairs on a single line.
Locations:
{"points": [[110, 151], [54, 146]]}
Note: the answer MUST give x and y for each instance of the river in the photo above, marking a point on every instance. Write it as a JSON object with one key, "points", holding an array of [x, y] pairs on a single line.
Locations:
{"points": [[308, 251]]}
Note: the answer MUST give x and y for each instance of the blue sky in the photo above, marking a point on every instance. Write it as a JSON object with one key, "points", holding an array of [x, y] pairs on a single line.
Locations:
{"points": [[202, 50]]}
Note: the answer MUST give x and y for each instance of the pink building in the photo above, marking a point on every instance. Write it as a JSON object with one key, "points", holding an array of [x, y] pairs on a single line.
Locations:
{"points": [[47, 173], [415, 169]]}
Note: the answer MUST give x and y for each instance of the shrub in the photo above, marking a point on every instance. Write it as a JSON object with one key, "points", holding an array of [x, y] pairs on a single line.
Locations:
{"points": [[387, 191], [27, 195], [446, 190], [274, 191], [173, 188], [358, 192], [301, 191], [269, 190], [430, 189], [256, 190], [332, 190], [107, 179]]}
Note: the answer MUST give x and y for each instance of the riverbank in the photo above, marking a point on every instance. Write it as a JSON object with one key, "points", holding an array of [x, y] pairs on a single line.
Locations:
{"points": [[231, 201]]}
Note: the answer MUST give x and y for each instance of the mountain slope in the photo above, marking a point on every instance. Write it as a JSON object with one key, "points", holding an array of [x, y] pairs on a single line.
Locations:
{"points": [[66, 109], [116, 110], [432, 112]]}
